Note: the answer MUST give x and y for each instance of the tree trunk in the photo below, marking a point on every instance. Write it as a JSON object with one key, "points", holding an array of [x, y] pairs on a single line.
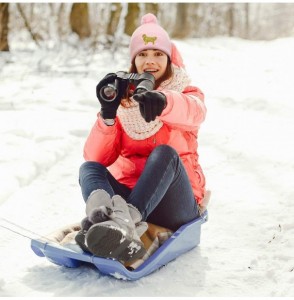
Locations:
{"points": [[230, 18], [4, 19], [152, 8], [132, 18], [114, 18], [60, 20], [79, 20], [35, 37], [182, 27], [247, 20]]}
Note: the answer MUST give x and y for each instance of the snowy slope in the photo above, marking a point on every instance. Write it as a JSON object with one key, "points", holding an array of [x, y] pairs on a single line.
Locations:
{"points": [[47, 107]]}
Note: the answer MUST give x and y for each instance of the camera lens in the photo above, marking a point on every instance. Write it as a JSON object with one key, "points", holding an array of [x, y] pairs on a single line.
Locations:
{"points": [[108, 93]]}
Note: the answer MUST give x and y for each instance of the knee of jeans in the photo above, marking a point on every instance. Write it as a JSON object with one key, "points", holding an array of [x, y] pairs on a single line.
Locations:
{"points": [[88, 166], [164, 150]]}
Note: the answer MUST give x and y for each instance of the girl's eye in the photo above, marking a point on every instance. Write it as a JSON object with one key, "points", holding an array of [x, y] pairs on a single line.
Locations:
{"points": [[142, 54], [158, 54]]}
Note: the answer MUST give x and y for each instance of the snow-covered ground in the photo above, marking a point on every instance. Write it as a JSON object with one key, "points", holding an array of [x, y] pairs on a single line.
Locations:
{"points": [[47, 107]]}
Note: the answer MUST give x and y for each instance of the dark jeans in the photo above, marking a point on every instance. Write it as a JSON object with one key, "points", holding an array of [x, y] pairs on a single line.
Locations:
{"points": [[163, 193]]}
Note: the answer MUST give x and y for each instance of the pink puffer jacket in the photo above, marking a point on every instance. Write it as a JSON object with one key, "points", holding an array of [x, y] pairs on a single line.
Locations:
{"points": [[126, 157]]}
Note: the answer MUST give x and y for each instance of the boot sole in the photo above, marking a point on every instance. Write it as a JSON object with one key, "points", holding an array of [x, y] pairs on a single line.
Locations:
{"points": [[111, 242], [80, 240]]}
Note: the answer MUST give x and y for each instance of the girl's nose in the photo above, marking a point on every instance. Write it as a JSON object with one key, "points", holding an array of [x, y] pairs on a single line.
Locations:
{"points": [[149, 60]]}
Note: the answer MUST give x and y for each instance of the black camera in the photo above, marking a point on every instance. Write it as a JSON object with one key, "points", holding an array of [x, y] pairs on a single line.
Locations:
{"points": [[143, 82]]}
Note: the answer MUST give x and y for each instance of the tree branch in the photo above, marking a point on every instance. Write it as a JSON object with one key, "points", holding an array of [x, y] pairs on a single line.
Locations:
{"points": [[27, 25]]}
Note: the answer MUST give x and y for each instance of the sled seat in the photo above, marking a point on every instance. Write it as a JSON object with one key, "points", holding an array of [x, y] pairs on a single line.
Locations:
{"points": [[184, 239]]}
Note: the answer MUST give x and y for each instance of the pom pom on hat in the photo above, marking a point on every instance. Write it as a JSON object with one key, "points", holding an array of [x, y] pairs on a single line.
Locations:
{"points": [[150, 35], [149, 18]]}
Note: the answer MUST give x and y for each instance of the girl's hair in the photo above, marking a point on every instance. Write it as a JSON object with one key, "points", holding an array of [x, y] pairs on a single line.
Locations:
{"points": [[129, 92]]}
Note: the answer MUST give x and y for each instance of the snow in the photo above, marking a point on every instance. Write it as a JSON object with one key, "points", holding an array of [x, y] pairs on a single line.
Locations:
{"points": [[47, 107]]}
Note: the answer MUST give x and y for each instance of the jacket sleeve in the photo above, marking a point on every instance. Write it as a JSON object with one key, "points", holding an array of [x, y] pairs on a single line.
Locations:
{"points": [[103, 143], [184, 110]]}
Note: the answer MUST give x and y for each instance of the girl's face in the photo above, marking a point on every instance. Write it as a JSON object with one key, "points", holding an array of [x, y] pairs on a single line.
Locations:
{"points": [[151, 61]]}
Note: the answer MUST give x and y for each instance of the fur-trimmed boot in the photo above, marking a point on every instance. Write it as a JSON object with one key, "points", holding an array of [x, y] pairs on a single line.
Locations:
{"points": [[117, 237], [98, 209], [136, 216]]}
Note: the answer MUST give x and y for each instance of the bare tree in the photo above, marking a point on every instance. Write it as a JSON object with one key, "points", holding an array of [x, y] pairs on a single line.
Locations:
{"points": [[35, 37], [4, 19], [60, 14], [79, 20], [230, 18], [110, 23], [116, 9], [247, 20], [132, 18], [182, 25], [117, 39], [152, 8]]}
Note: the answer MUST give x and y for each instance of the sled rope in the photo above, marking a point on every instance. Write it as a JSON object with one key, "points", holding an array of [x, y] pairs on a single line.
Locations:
{"points": [[14, 231], [22, 228]]}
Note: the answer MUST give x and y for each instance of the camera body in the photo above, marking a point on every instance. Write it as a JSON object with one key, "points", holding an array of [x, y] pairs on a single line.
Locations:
{"points": [[143, 82]]}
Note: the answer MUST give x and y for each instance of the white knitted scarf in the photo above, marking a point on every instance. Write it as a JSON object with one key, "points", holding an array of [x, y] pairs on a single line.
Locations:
{"points": [[130, 117]]}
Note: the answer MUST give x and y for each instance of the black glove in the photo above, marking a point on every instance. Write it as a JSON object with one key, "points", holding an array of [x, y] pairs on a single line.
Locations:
{"points": [[108, 109], [151, 104]]}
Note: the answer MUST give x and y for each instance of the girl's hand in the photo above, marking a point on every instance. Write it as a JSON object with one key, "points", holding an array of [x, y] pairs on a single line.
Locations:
{"points": [[109, 108], [151, 104]]}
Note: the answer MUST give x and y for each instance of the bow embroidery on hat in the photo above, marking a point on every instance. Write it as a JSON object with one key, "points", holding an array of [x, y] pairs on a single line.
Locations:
{"points": [[149, 39]]}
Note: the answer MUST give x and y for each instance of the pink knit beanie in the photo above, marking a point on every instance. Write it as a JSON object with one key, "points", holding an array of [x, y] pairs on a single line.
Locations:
{"points": [[150, 35]]}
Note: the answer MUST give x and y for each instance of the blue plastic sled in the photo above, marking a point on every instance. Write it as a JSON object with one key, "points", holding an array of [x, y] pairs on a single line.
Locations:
{"points": [[184, 239]]}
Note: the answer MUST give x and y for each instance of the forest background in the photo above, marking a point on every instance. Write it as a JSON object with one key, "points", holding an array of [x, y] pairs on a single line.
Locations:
{"points": [[109, 25]]}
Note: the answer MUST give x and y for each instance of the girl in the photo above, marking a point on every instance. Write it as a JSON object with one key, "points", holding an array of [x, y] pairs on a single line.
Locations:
{"points": [[141, 155]]}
